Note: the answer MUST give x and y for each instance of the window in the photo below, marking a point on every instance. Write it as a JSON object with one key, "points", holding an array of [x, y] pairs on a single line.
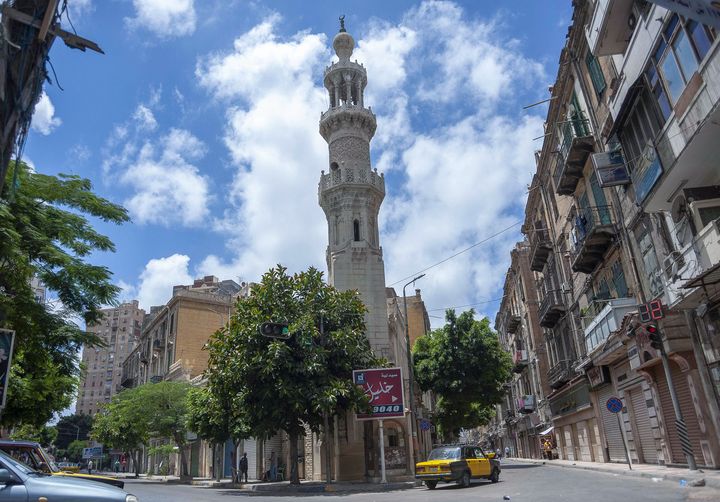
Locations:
{"points": [[649, 259], [683, 44], [640, 128], [618, 279], [356, 230], [596, 74]]}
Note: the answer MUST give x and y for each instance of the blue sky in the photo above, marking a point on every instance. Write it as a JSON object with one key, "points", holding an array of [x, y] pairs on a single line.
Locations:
{"points": [[202, 119]]}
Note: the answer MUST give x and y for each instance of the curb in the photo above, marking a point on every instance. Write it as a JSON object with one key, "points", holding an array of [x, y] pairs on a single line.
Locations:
{"points": [[691, 478], [332, 488]]}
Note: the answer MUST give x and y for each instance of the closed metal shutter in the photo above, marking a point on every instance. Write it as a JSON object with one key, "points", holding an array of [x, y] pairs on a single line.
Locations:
{"points": [[688, 411], [274, 444], [613, 436], [642, 430], [250, 447]]}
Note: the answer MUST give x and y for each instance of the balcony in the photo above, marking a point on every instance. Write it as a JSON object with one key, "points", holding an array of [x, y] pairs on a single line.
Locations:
{"points": [[526, 404], [552, 308], [128, 381], [603, 318], [610, 27], [559, 374], [512, 322], [540, 248], [157, 345], [520, 360], [576, 145], [592, 235]]}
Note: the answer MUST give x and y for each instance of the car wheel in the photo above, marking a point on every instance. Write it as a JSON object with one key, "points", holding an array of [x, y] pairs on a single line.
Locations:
{"points": [[495, 476], [431, 484], [465, 479]]}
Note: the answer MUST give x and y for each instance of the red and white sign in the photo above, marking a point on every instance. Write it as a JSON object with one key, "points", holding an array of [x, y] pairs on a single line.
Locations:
{"points": [[384, 388]]}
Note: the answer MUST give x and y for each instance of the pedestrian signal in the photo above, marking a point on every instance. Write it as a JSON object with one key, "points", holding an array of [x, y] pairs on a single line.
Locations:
{"points": [[275, 330]]}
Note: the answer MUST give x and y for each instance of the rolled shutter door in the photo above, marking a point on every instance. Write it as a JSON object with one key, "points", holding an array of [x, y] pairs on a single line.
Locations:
{"points": [[642, 429], [250, 447], [613, 436]]}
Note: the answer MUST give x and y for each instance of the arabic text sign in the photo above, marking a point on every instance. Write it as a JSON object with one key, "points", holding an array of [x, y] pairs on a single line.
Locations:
{"points": [[384, 388], [7, 338], [93, 452]]}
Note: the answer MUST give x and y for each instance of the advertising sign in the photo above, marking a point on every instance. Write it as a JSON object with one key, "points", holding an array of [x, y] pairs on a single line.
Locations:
{"points": [[384, 388], [93, 452], [7, 341]]}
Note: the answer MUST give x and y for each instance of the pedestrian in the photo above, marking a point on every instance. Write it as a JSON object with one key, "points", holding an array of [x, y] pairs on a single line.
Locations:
{"points": [[273, 466], [244, 467], [547, 448], [90, 466], [117, 466], [507, 452]]}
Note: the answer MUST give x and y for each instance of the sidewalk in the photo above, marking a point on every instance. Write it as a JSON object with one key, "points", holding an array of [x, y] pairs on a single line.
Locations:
{"points": [[701, 477]]}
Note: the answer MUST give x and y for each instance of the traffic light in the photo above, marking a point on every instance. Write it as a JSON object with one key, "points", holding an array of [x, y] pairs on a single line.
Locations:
{"points": [[275, 330], [655, 336]]}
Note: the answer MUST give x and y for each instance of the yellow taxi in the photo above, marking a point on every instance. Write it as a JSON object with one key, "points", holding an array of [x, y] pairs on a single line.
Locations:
{"points": [[458, 463], [33, 455]]}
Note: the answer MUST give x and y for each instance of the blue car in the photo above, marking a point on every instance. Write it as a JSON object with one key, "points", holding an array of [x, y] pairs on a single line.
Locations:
{"points": [[20, 483]]}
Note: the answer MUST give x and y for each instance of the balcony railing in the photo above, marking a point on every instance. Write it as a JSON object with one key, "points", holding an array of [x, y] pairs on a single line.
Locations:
{"points": [[576, 144], [609, 316], [512, 322], [559, 374], [526, 404], [552, 308], [520, 360], [592, 235], [540, 248]]}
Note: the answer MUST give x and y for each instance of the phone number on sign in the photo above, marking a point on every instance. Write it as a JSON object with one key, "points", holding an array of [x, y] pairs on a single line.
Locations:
{"points": [[386, 409]]}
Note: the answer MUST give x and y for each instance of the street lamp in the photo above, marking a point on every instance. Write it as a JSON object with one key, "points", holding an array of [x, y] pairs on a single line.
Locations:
{"points": [[410, 375]]}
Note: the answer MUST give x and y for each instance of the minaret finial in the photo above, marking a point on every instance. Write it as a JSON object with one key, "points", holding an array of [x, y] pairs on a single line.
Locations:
{"points": [[342, 23]]}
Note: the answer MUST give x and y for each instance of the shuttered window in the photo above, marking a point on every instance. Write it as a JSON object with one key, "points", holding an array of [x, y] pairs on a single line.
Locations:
{"points": [[596, 75]]}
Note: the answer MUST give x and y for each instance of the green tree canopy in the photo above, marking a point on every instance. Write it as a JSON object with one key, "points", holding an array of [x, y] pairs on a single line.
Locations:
{"points": [[464, 364], [71, 428], [45, 235], [134, 416], [44, 435], [287, 384]]}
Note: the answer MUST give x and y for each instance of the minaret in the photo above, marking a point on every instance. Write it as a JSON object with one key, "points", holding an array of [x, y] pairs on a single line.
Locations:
{"points": [[351, 192]]}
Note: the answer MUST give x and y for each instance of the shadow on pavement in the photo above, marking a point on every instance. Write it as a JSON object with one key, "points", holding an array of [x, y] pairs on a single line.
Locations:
{"points": [[519, 466]]}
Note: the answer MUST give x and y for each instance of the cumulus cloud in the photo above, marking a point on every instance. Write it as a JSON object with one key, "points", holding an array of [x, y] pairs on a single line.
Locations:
{"points": [[458, 158], [159, 277], [164, 18], [145, 118], [44, 119]]}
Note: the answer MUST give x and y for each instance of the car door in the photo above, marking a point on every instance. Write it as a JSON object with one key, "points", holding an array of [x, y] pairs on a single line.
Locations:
{"points": [[483, 463], [469, 455]]}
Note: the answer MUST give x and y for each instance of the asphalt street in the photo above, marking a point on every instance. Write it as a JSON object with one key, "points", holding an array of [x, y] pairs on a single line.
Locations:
{"points": [[519, 482]]}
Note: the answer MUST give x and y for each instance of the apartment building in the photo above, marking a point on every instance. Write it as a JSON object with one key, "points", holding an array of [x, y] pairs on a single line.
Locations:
{"points": [[622, 220], [120, 330]]}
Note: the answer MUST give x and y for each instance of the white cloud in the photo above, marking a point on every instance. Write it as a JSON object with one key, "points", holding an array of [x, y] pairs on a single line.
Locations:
{"points": [[79, 9], [144, 118], [164, 18], [44, 119], [159, 277], [79, 153]]}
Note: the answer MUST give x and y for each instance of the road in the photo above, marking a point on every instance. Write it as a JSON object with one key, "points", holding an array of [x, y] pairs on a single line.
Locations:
{"points": [[520, 482]]}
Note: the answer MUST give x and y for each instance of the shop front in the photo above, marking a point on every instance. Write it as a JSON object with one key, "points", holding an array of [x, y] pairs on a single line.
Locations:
{"points": [[575, 424]]}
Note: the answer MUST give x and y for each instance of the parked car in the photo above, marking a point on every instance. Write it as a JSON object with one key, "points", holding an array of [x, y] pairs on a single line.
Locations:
{"points": [[32, 454], [459, 463], [69, 467], [19, 482]]}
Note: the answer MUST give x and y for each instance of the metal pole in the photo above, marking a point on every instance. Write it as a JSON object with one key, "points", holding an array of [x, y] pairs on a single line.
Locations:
{"points": [[411, 378], [326, 422], [383, 479], [622, 433], [679, 422]]}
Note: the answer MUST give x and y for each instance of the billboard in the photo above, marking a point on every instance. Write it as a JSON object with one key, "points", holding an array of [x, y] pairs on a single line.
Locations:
{"points": [[7, 340], [93, 452], [384, 388]]}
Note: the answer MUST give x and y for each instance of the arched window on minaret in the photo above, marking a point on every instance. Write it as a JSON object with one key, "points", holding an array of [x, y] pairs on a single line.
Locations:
{"points": [[336, 231], [356, 230]]}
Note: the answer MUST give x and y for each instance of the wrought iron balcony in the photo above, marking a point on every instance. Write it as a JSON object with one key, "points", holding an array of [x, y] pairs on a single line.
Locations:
{"points": [[552, 308], [592, 235], [526, 404], [559, 374], [540, 248], [520, 360], [512, 322], [576, 144]]}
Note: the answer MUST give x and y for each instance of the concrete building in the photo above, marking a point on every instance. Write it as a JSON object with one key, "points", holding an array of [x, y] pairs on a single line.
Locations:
{"points": [[103, 366]]}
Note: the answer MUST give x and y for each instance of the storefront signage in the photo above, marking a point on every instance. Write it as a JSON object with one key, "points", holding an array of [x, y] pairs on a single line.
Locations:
{"points": [[384, 389], [648, 172], [651, 311], [571, 401], [598, 375], [703, 11], [610, 169], [7, 341]]}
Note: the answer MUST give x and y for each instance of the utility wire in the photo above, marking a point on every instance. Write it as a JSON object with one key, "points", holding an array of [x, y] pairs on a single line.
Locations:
{"points": [[457, 254], [469, 304]]}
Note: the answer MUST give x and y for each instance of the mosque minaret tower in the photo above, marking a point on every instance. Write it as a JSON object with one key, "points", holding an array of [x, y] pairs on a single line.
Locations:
{"points": [[351, 192]]}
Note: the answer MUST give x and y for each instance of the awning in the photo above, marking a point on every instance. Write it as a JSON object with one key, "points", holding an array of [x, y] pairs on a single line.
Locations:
{"points": [[548, 430]]}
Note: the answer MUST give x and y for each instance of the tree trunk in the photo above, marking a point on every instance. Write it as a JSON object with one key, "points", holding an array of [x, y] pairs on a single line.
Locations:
{"points": [[137, 464], [184, 474], [294, 477], [218, 461]]}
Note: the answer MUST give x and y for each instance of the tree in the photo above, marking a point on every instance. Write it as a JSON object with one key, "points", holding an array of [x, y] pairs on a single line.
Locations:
{"points": [[289, 384], [150, 411], [45, 235], [71, 428], [74, 451], [44, 435], [464, 364], [216, 419]]}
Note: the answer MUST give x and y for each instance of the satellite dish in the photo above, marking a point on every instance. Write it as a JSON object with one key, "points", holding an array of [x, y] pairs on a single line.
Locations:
{"points": [[679, 208]]}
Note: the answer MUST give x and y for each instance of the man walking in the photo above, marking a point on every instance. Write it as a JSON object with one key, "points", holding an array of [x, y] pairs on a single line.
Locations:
{"points": [[244, 467], [273, 466], [90, 466]]}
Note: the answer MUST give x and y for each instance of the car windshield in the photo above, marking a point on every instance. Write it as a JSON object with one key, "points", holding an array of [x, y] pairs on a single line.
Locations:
{"points": [[15, 464], [445, 453]]}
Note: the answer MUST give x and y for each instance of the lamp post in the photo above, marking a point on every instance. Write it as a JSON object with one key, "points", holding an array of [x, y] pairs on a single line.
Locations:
{"points": [[411, 376]]}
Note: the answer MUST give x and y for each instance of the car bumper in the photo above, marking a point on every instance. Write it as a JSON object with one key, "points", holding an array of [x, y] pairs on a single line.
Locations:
{"points": [[438, 476]]}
